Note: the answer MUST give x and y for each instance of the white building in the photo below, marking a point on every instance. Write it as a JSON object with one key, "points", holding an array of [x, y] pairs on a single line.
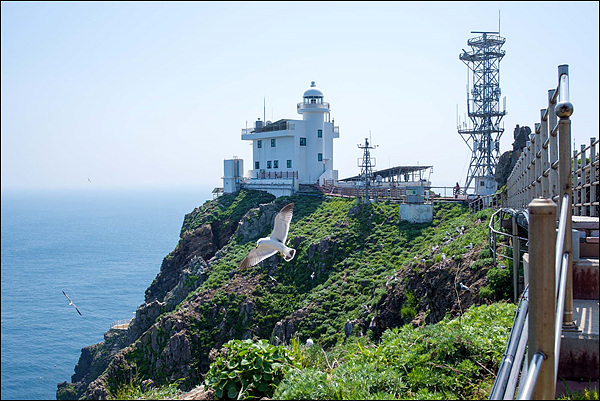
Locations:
{"points": [[287, 152]]}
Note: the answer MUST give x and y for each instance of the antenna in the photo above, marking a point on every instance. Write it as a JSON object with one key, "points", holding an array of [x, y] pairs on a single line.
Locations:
{"points": [[457, 123], [483, 109], [265, 110], [498, 21]]}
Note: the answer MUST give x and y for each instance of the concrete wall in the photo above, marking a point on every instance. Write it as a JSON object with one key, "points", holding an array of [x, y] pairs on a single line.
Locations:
{"points": [[278, 187], [416, 213]]}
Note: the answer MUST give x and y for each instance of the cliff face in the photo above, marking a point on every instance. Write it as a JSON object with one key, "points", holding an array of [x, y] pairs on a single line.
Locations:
{"points": [[508, 159], [353, 263]]}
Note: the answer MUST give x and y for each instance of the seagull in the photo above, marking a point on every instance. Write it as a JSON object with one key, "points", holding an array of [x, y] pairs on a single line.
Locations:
{"points": [[464, 287], [470, 246], [309, 342], [89, 179], [272, 278], [269, 246], [312, 276], [71, 303]]}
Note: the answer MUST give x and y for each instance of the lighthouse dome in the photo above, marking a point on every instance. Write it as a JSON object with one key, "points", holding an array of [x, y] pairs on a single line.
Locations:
{"points": [[313, 91]]}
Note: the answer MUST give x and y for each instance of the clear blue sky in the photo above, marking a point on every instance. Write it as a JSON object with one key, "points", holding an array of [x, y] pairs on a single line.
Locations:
{"points": [[134, 94]]}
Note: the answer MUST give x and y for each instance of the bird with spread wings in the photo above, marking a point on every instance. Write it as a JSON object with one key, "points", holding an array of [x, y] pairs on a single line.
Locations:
{"points": [[269, 246], [71, 303]]}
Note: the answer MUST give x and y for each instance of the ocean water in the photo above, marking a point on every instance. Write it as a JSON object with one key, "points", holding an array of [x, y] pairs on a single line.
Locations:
{"points": [[103, 248]]}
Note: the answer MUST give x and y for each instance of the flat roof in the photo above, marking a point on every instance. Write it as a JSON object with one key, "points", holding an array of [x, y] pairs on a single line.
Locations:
{"points": [[391, 172]]}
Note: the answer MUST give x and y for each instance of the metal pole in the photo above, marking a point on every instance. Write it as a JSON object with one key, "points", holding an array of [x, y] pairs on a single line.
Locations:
{"points": [[545, 151], [553, 144], [516, 258], [582, 190], [542, 300], [593, 178], [564, 110]]}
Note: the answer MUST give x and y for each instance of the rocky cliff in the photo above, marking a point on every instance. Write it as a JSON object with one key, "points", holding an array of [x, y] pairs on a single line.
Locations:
{"points": [[508, 159], [354, 263]]}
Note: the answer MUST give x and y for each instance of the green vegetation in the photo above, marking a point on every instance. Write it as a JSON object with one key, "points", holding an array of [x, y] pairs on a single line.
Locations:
{"points": [[346, 253], [449, 360], [135, 390], [248, 369]]}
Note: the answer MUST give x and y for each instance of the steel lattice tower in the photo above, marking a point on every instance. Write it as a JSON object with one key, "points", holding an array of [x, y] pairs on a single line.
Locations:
{"points": [[366, 167], [484, 110]]}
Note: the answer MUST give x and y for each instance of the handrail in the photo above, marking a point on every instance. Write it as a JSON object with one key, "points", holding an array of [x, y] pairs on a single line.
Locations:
{"points": [[545, 173], [511, 358], [560, 307], [560, 237], [526, 390]]}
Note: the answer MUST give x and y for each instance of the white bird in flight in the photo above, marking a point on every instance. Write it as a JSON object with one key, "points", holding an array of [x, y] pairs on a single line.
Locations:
{"points": [[71, 303], [269, 246]]}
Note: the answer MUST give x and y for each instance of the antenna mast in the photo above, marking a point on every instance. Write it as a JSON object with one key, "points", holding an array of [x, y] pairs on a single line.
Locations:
{"points": [[366, 167], [483, 60]]}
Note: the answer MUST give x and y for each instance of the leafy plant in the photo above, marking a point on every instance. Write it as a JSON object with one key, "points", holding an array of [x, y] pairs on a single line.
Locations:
{"points": [[454, 359], [500, 282], [246, 369]]}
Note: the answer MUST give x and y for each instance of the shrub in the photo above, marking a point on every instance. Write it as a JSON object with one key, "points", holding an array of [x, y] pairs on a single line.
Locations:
{"points": [[248, 369], [500, 282], [486, 292]]}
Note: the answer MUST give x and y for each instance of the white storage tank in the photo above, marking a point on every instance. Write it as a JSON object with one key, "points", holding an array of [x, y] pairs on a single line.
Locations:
{"points": [[232, 174]]}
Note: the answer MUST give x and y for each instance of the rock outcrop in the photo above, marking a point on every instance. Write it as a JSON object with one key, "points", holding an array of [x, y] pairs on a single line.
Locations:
{"points": [[508, 159]]}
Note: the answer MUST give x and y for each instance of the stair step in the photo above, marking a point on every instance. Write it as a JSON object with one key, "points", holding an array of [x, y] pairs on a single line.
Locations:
{"points": [[585, 278], [579, 350]]}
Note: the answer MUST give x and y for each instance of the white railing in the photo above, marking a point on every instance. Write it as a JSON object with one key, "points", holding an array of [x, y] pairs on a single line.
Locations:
{"points": [[122, 324], [315, 105]]}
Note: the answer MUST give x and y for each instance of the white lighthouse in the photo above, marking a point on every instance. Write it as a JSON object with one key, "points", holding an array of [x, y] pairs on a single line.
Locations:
{"points": [[287, 153]]}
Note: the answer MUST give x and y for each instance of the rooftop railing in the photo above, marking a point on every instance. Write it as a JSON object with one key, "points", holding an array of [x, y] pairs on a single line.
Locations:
{"points": [[303, 105]]}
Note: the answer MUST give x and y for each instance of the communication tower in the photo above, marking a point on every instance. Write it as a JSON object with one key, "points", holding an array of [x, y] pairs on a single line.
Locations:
{"points": [[366, 167], [483, 108]]}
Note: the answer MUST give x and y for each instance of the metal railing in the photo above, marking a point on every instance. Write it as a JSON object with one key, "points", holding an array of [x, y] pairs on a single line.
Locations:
{"points": [[315, 105], [261, 175], [518, 245], [542, 176], [493, 201], [122, 324], [585, 180]]}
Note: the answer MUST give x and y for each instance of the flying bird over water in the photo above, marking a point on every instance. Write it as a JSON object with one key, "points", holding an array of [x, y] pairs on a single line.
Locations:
{"points": [[269, 246], [71, 303]]}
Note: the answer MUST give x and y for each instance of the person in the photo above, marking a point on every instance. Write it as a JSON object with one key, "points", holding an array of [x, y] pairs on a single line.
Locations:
{"points": [[456, 190]]}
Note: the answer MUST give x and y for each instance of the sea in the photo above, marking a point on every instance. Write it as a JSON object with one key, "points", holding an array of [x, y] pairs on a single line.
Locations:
{"points": [[102, 248]]}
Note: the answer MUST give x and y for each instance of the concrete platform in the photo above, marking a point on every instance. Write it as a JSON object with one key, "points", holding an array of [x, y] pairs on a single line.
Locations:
{"points": [[579, 350]]}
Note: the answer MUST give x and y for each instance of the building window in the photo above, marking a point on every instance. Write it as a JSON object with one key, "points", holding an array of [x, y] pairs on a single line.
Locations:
{"points": [[289, 164], [275, 163], [256, 165], [319, 133], [302, 141], [269, 164], [273, 143], [320, 157], [259, 144]]}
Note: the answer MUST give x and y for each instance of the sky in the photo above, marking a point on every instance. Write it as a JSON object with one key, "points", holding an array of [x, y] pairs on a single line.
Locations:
{"points": [[154, 94]]}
